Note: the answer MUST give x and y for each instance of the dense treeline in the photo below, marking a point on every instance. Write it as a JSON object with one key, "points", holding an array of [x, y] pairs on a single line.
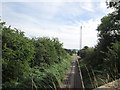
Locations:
{"points": [[31, 63], [71, 51], [102, 63]]}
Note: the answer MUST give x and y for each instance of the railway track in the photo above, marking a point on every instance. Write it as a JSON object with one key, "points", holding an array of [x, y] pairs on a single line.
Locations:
{"points": [[73, 78]]}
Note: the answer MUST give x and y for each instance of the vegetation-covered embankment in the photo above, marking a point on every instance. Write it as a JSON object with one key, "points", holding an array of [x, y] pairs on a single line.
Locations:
{"points": [[101, 64], [31, 63]]}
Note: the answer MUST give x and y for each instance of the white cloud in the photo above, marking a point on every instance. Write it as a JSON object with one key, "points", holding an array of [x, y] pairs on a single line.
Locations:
{"points": [[0, 9], [45, 10], [104, 8], [49, 25], [87, 5], [89, 33], [69, 35], [53, 0]]}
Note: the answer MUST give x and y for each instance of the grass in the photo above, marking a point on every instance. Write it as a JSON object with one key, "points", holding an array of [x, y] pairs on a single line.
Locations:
{"points": [[97, 77], [51, 77]]}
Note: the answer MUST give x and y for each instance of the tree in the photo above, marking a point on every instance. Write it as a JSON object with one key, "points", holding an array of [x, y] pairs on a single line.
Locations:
{"points": [[59, 49], [107, 32], [17, 53], [31, 63], [45, 51], [116, 5], [104, 60], [82, 52], [112, 61]]}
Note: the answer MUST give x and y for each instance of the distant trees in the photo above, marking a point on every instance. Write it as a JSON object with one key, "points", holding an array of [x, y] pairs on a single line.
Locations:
{"points": [[31, 63], [81, 52], [71, 51]]}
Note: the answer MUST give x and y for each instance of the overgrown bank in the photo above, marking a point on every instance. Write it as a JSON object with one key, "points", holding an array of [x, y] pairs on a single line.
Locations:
{"points": [[101, 64], [98, 73], [31, 63]]}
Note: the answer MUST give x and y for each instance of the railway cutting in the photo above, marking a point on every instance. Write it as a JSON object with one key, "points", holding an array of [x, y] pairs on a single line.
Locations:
{"points": [[72, 79]]}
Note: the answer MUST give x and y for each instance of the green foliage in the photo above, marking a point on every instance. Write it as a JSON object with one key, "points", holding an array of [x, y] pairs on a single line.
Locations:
{"points": [[71, 51], [102, 62], [59, 50], [116, 5], [31, 63], [48, 51], [50, 77], [87, 54], [112, 61], [45, 51], [17, 51], [107, 32]]}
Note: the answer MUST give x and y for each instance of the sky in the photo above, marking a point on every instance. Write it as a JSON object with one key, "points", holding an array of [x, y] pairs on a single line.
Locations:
{"points": [[56, 18]]}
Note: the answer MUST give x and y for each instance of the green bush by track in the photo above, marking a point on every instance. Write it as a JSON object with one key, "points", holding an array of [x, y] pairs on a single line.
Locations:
{"points": [[32, 63]]}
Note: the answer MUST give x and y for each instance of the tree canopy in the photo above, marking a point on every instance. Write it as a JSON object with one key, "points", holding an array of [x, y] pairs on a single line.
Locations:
{"points": [[31, 63]]}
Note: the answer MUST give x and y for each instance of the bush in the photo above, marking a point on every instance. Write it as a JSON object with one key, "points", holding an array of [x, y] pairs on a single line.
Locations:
{"points": [[31, 63], [112, 61], [17, 52]]}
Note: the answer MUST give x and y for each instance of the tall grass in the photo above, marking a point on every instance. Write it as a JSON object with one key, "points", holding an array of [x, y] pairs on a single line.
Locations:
{"points": [[89, 77], [97, 78], [50, 77]]}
